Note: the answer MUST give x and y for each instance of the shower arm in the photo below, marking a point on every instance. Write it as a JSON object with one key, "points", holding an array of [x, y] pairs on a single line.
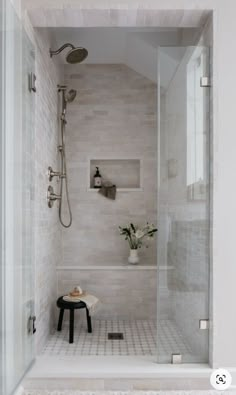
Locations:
{"points": [[52, 53]]}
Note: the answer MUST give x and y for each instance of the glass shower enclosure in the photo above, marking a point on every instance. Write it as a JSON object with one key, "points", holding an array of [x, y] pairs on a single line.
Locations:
{"points": [[183, 204], [17, 201]]}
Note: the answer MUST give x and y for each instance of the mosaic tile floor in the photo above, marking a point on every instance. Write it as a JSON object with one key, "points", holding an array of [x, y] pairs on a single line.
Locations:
{"points": [[139, 339]]}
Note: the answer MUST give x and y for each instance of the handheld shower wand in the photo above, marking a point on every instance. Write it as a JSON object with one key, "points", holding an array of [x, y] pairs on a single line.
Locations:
{"points": [[75, 55], [67, 97]]}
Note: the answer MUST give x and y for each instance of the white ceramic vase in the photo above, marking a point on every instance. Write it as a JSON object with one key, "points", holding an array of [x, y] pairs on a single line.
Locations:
{"points": [[133, 257]]}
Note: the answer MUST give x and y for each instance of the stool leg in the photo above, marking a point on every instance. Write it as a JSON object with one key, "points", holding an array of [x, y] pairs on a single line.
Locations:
{"points": [[71, 335], [89, 322], [59, 326]]}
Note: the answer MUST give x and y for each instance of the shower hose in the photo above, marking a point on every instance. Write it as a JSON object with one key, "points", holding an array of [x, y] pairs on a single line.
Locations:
{"points": [[63, 178]]}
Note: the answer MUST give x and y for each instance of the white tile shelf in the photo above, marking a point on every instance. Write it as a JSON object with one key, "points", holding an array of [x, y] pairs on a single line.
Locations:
{"points": [[115, 267], [119, 189]]}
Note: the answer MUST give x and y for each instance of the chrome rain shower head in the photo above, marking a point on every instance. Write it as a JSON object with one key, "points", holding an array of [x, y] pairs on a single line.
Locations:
{"points": [[75, 55]]}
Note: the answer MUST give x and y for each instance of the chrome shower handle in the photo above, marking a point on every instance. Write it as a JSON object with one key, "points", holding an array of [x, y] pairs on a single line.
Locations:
{"points": [[52, 174], [52, 197]]}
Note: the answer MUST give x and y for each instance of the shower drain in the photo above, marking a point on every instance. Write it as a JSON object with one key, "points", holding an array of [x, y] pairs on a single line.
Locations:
{"points": [[115, 336]]}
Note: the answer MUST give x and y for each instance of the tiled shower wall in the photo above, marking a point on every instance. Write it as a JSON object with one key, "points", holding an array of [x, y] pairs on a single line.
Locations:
{"points": [[123, 293], [47, 228], [112, 117]]}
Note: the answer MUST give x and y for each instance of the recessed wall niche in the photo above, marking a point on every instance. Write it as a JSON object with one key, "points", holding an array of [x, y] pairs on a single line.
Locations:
{"points": [[124, 173]]}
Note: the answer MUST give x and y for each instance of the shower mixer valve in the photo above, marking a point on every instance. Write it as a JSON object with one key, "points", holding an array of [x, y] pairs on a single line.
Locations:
{"points": [[51, 196], [52, 174]]}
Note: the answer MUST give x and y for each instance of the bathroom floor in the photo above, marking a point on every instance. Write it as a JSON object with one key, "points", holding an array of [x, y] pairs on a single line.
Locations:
{"points": [[139, 338]]}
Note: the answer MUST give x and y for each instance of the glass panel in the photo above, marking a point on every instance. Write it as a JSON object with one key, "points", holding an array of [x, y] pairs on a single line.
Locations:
{"points": [[183, 204], [17, 137], [28, 163], [1, 202]]}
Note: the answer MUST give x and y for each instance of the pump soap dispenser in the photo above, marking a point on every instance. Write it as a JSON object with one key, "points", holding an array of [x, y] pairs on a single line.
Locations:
{"points": [[97, 179]]}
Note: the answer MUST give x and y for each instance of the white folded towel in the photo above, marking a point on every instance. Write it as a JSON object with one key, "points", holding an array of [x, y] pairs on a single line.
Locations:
{"points": [[90, 300]]}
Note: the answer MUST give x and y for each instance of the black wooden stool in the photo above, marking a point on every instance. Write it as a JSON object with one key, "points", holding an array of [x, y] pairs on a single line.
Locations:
{"points": [[64, 305]]}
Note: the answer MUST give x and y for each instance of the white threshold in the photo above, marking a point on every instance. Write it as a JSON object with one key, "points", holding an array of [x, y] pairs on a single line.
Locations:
{"points": [[104, 367], [115, 267]]}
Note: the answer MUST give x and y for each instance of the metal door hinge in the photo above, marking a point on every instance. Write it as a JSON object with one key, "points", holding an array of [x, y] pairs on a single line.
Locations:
{"points": [[205, 82], [32, 79], [203, 324], [176, 358], [31, 325]]}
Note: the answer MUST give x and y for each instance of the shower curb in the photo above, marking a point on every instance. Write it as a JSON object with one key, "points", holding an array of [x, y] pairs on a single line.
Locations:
{"points": [[65, 392]]}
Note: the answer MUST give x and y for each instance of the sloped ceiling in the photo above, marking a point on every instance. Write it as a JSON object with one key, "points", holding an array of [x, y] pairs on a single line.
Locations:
{"points": [[135, 47]]}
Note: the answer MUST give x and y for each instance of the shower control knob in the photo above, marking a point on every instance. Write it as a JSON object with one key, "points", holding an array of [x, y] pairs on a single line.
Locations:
{"points": [[51, 196], [52, 173]]}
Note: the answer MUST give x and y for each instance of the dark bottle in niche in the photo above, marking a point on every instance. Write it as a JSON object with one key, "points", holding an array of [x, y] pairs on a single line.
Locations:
{"points": [[97, 179]]}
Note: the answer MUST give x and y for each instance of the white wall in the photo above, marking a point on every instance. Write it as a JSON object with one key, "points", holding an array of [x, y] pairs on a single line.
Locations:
{"points": [[224, 190], [141, 51], [141, 56]]}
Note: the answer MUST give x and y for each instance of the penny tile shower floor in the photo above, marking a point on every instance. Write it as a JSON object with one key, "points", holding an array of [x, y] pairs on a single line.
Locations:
{"points": [[139, 339]]}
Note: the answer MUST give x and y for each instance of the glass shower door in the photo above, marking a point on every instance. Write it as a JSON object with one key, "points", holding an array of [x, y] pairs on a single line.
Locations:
{"points": [[183, 205], [17, 201]]}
